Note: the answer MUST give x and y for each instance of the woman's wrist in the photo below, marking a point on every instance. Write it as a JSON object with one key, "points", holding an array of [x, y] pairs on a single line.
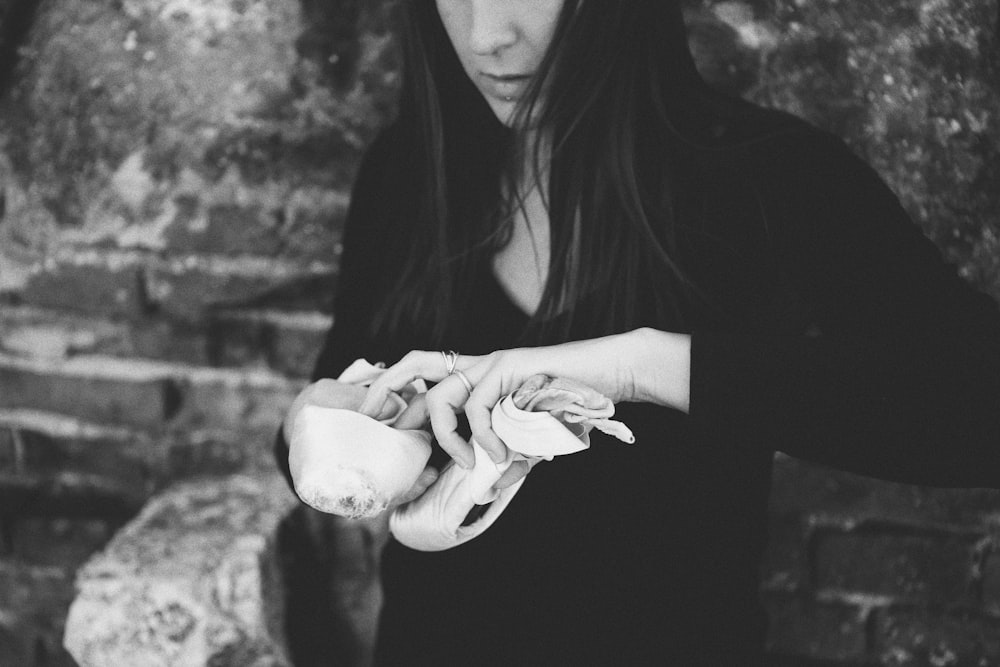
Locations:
{"points": [[661, 363]]}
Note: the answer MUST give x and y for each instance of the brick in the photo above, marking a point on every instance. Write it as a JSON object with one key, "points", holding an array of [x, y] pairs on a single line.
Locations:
{"points": [[58, 455], [51, 445], [60, 541], [90, 282], [784, 566], [64, 335], [189, 288], [68, 496], [34, 643], [51, 341], [28, 589], [16, 646], [229, 399], [990, 583], [237, 341], [803, 487], [301, 222], [294, 352], [137, 393], [920, 637], [318, 224], [780, 660], [9, 451], [35, 600], [286, 342], [159, 338], [95, 389], [929, 568], [212, 454], [225, 228], [6, 533], [809, 629], [189, 295]]}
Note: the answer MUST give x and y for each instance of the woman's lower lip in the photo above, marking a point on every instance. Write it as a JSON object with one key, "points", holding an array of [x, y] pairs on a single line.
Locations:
{"points": [[504, 89]]}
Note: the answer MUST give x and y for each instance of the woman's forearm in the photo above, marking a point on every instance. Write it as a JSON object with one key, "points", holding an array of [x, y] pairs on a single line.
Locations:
{"points": [[661, 367]]}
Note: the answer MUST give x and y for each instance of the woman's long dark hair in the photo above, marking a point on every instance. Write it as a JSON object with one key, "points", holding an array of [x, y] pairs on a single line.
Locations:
{"points": [[618, 81]]}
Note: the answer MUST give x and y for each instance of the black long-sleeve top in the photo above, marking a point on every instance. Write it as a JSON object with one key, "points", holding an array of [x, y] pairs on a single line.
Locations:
{"points": [[837, 335]]}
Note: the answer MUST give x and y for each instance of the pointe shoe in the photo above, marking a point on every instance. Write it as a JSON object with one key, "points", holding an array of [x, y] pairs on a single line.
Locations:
{"points": [[433, 522], [346, 463]]}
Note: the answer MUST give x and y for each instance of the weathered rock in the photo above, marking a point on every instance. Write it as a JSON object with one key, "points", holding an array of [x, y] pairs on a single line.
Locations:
{"points": [[192, 581], [218, 126], [912, 85]]}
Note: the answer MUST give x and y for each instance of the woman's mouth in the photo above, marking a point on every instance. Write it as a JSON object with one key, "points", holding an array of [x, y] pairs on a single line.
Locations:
{"points": [[506, 87]]}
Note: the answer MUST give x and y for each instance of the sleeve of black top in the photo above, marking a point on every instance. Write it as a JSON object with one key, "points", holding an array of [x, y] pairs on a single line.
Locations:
{"points": [[901, 379], [354, 302]]}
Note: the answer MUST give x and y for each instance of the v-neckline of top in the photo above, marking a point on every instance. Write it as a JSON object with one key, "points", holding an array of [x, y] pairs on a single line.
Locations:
{"points": [[498, 287]]}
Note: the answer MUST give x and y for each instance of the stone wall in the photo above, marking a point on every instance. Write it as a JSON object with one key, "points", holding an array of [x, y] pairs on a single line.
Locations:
{"points": [[860, 571], [173, 178]]}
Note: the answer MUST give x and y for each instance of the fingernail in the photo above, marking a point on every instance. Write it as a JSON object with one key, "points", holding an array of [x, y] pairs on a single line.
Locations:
{"points": [[497, 458], [464, 465]]}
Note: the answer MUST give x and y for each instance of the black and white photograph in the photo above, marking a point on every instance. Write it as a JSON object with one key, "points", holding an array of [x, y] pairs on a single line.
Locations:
{"points": [[522, 333]]}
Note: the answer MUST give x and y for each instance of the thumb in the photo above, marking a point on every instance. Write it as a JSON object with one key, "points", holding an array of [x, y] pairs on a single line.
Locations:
{"points": [[415, 415], [427, 477], [515, 472]]}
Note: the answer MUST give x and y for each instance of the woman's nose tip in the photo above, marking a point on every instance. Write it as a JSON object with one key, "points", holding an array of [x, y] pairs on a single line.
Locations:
{"points": [[491, 34]]}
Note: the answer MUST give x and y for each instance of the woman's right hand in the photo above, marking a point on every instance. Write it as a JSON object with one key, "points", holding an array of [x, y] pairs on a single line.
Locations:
{"points": [[326, 393], [311, 394]]}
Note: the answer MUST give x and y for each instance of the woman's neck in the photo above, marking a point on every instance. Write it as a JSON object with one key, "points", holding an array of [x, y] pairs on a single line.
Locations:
{"points": [[521, 267]]}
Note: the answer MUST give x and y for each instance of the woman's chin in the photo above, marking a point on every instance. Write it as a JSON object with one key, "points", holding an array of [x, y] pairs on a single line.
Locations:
{"points": [[503, 110]]}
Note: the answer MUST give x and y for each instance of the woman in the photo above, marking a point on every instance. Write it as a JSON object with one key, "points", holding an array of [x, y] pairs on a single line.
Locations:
{"points": [[562, 194]]}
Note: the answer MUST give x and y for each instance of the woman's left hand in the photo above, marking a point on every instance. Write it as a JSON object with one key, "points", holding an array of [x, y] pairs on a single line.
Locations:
{"points": [[641, 365]]}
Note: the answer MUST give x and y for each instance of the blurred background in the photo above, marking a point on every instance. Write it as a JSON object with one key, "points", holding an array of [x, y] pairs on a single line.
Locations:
{"points": [[173, 180]]}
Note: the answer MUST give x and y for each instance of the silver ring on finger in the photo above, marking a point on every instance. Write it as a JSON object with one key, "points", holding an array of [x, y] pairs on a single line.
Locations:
{"points": [[465, 380], [450, 360]]}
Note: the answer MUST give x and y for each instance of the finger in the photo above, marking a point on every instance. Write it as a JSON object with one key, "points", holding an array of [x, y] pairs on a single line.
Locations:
{"points": [[415, 415], [323, 392], [479, 410], [397, 376], [443, 401], [413, 366], [424, 481], [516, 471]]}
